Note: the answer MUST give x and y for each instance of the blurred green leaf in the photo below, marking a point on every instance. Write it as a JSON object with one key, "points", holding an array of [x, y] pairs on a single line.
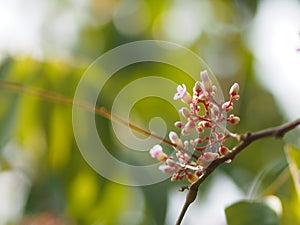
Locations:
{"points": [[9, 102], [7, 120], [251, 212], [156, 200], [5, 66], [293, 156]]}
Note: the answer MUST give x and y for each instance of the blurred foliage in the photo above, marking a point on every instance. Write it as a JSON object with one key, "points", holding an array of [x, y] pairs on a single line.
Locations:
{"points": [[63, 187], [251, 213]]}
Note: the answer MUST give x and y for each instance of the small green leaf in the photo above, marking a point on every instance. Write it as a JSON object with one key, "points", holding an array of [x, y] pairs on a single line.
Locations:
{"points": [[293, 157], [251, 212]]}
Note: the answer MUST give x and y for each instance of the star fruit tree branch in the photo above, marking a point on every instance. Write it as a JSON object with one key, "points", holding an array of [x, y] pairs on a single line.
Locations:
{"points": [[246, 139]]}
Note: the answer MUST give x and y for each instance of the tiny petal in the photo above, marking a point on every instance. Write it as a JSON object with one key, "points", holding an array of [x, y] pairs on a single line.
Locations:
{"points": [[183, 94], [181, 90], [162, 157], [226, 105], [171, 163], [167, 169], [234, 90], [157, 152], [179, 124], [197, 88], [185, 112], [206, 82], [188, 128], [207, 158], [175, 139], [205, 124], [214, 109], [210, 156]]}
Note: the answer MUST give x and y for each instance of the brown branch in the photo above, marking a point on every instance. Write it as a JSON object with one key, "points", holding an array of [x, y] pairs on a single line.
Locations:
{"points": [[246, 139]]}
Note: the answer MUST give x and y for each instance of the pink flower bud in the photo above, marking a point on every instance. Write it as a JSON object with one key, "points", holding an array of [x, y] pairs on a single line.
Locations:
{"points": [[175, 139], [234, 90], [223, 150], [200, 129], [206, 82], [225, 105], [171, 163], [167, 169], [205, 124], [185, 112], [157, 152], [199, 173], [179, 124], [207, 158], [183, 94], [197, 88], [233, 119], [188, 128], [214, 109], [235, 97]]}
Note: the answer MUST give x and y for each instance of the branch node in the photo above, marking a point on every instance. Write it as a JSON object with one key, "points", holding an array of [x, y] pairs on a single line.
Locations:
{"points": [[244, 137], [191, 195], [183, 188]]}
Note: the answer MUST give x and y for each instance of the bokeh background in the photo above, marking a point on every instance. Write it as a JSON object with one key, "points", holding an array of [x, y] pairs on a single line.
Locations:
{"points": [[50, 43]]}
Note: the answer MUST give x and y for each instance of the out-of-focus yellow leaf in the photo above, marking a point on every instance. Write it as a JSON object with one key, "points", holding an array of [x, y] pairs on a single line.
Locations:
{"points": [[83, 193], [293, 156], [60, 137]]}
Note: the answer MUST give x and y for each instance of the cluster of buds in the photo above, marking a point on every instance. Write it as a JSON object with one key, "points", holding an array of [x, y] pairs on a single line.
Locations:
{"points": [[205, 116]]}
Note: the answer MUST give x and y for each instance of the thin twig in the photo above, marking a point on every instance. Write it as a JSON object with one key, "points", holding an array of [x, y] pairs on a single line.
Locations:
{"points": [[247, 139], [102, 111]]}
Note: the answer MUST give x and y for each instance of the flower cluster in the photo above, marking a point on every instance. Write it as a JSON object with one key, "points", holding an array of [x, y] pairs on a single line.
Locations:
{"points": [[205, 116]]}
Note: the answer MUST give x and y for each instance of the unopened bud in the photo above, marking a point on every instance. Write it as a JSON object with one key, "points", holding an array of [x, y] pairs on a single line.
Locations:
{"points": [[223, 150], [234, 90], [206, 82], [205, 124], [188, 128], [207, 158], [175, 139], [197, 88], [157, 152], [167, 169], [171, 162], [185, 112], [225, 105], [179, 124], [233, 119], [183, 94], [214, 109]]}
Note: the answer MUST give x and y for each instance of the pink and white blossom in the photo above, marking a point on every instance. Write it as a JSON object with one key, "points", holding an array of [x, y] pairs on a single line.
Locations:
{"points": [[183, 94], [202, 114]]}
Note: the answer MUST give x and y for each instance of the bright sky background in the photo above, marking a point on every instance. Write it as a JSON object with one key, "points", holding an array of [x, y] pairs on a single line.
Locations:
{"points": [[40, 29], [274, 38]]}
